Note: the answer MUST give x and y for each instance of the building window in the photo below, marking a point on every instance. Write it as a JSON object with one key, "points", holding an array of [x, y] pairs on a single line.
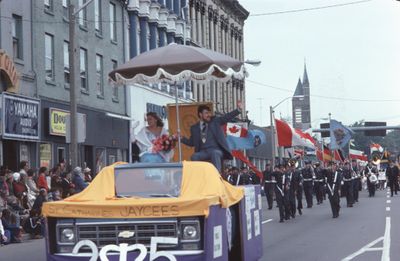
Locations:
{"points": [[115, 87], [49, 56], [17, 36], [113, 27], [66, 63], [99, 75], [297, 115], [48, 5], [83, 69], [82, 15], [97, 17], [65, 5]]}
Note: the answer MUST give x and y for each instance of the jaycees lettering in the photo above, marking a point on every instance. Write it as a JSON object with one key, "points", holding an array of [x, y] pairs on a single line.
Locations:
{"points": [[128, 211], [150, 211]]}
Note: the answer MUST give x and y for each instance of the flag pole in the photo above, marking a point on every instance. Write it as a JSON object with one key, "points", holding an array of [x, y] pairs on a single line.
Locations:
{"points": [[271, 114]]}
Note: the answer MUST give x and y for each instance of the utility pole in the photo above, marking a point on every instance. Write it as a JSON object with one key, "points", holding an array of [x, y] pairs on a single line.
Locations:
{"points": [[73, 57], [271, 116], [74, 82]]}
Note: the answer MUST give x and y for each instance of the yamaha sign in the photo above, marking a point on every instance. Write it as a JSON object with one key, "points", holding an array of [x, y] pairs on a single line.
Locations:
{"points": [[21, 117]]}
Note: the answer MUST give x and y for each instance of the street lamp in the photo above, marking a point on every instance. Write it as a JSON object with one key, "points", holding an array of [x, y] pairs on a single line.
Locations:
{"points": [[253, 62], [74, 72], [271, 114]]}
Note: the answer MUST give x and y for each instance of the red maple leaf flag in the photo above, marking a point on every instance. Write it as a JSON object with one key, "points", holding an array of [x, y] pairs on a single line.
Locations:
{"points": [[236, 129]]}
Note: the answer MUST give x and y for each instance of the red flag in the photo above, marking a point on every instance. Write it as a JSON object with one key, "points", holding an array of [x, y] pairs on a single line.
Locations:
{"points": [[338, 155], [290, 137], [358, 154], [239, 155]]}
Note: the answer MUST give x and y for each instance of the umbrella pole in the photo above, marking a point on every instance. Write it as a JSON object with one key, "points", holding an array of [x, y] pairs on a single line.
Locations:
{"points": [[178, 125]]}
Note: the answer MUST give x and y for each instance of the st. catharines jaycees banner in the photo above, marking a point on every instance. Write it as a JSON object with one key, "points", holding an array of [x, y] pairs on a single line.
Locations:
{"points": [[21, 117]]}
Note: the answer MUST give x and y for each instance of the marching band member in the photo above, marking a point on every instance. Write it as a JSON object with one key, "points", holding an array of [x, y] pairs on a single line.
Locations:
{"points": [[333, 181], [370, 172]]}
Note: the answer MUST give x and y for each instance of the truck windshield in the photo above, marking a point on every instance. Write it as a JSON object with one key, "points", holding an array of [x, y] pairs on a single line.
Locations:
{"points": [[148, 182]]}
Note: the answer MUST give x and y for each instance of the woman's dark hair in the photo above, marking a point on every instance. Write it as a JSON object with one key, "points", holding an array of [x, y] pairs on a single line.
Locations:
{"points": [[42, 169], [22, 164], [30, 172], [160, 123]]}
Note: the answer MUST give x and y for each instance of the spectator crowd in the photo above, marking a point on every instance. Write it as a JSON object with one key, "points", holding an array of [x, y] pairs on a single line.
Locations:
{"points": [[23, 193]]}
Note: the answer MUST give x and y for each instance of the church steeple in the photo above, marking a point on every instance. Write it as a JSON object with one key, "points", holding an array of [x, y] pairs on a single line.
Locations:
{"points": [[306, 83], [299, 89]]}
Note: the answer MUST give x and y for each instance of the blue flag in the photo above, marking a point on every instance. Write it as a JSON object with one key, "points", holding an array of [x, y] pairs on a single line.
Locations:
{"points": [[253, 139], [340, 135]]}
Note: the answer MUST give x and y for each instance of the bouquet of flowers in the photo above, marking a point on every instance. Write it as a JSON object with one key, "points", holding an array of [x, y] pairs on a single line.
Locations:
{"points": [[164, 143]]}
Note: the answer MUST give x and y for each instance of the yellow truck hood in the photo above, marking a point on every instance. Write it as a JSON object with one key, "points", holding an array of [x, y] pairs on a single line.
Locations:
{"points": [[202, 187]]}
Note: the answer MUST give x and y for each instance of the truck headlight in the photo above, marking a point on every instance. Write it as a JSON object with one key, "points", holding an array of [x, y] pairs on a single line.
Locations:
{"points": [[67, 235], [190, 230]]}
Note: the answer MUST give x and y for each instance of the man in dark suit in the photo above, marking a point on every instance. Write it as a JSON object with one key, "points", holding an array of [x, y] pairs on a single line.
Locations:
{"points": [[207, 136]]}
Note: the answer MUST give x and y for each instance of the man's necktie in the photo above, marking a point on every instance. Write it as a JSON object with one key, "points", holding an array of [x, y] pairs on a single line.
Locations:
{"points": [[204, 132]]}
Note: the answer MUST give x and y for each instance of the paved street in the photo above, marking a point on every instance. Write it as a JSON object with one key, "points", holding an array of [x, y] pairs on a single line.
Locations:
{"points": [[312, 236], [317, 236]]}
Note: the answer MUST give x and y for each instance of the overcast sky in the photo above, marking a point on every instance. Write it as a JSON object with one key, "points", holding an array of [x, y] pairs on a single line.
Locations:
{"points": [[351, 51]]}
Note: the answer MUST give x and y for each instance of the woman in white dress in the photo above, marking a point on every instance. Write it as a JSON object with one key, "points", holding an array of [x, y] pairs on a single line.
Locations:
{"points": [[146, 136]]}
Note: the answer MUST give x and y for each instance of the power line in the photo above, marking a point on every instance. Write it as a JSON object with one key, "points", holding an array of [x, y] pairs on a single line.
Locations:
{"points": [[327, 97], [311, 8]]}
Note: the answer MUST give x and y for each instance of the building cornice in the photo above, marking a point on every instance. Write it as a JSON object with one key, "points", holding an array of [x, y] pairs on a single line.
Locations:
{"points": [[163, 18], [179, 28], [171, 20], [154, 12], [144, 8]]}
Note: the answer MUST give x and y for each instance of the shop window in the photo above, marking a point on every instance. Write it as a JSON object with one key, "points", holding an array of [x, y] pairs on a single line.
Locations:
{"points": [[60, 154], [100, 159], [111, 159], [24, 154], [83, 69], [17, 36], [99, 76], [45, 155], [113, 25], [49, 56]]}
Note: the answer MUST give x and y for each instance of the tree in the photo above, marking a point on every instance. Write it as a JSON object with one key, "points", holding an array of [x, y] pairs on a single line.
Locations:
{"points": [[391, 141]]}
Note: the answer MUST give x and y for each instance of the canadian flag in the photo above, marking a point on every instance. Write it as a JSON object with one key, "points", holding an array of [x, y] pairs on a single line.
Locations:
{"points": [[358, 154], [290, 137], [236, 129]]}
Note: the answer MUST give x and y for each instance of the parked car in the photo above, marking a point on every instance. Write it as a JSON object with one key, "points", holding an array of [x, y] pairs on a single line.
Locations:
{"points": [[164, 211]]}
